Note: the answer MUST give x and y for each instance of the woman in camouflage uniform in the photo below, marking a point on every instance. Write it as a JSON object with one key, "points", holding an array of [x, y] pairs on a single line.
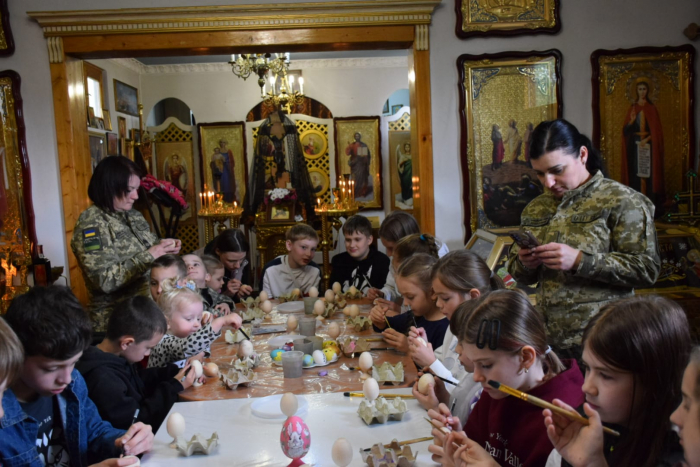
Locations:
{"points": [[113, 242], [598, 239]]}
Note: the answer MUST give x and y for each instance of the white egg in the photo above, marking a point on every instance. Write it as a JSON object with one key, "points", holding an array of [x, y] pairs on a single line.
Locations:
{"points": [[263, 296], [176, 425], [366, 361], [371, 389], [422, 341], [197, 367], [319, 357], [423, 383], [319, 307], [313, 292], [342, 452], [337, 288], [135, 460], [330, 296], [346, 311], [211, 369], [333, 330], [296, 293], [352, 290], [292, 323], [266, 306], [289, 404], [245, 349], [354, 311]]}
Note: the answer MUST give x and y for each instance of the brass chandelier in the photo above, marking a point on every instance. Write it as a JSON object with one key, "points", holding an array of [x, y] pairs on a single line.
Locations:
{"points": [[268, 69]]}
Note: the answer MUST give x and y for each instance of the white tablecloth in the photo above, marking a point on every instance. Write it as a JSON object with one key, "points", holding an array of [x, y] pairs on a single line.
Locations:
{"points": [[247, 440]]}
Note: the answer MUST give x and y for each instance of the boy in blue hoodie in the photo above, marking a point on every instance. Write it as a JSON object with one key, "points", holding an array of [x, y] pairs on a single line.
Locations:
{"points": [[49, 418]]}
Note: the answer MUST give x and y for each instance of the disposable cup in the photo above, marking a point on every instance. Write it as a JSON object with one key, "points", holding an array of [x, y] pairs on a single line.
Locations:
{"points": [[292, 364]]}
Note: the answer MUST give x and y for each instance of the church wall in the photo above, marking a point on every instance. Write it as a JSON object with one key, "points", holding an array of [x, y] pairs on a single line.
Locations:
{"points": [[587, 25]]}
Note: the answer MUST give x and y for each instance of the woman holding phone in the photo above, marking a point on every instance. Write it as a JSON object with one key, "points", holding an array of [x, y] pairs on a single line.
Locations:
{"points": [[231, 247], [597, 239]]}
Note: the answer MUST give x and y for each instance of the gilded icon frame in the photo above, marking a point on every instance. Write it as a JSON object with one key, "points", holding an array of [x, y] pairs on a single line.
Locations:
{"points": [[368, 127], [474, 19], [482, 243], [325, 181], [508, 89], [319, 150], [397, 144], [619, 76], [7, 42], [210, 135], [126, 98]]}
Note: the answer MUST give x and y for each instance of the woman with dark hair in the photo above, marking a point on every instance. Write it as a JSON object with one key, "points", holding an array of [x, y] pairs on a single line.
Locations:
{"points": [[231, 247], [113, 242], [598, 239]]}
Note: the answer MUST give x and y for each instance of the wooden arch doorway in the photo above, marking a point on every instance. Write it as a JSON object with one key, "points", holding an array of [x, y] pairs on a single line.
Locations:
{"points": [[73, 36]]}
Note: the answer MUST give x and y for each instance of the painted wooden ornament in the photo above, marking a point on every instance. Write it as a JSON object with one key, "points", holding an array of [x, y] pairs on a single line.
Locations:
{"points": [[295, 440]]}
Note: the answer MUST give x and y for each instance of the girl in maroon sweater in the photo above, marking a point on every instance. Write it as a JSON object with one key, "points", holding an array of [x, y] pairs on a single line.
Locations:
{"points": [[505, 338], [635, 351]]}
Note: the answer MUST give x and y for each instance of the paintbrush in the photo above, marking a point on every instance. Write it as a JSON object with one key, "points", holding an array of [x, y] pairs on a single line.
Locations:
{"points": [[374, 339], [404, 443], [243, 332], [546, 405], [385, 396], [449, 381]]}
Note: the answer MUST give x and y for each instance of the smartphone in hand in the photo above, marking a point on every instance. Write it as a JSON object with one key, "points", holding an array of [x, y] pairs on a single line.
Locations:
{"points": [[524, 239]]}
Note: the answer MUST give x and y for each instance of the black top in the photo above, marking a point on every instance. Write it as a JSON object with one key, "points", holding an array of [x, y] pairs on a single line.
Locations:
{"points": [[118, 388], [50, 441], [210, 249], [434, 330], [348, 271]]}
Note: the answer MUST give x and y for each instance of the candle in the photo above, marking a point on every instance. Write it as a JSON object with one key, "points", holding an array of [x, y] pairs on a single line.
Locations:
{"points": [[301, 85]]}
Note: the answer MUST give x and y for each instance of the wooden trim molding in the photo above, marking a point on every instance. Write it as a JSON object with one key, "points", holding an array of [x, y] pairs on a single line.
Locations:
{"points": [[236, 17], [211, 30]]}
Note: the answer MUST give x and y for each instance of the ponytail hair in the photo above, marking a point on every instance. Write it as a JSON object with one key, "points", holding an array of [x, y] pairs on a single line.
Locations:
{"points": [[174, 294], [420, 268], [560, 134], [463, 270], [520, 325], [416, 243], [647, 336]]}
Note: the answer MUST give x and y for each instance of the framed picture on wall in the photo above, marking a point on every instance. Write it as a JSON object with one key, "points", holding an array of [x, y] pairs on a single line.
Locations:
{"points": [[500, 18], [126, 98], [320, 182], [481, 243], [7, 47], [385, 110], [107, 119], [314, 143], [175, 164], [395, 108], [98, 148], [401, 170], [358, 154], [121, 127], [643, 118], [135, 134], [112, 144], [495, 132], [223, 161]]}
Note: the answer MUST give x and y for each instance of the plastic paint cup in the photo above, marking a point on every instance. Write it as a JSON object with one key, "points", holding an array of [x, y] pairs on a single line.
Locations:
{"points": [[292, 364]]}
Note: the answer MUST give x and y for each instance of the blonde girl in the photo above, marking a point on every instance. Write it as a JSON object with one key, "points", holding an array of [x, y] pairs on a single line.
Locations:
{"points": [[11, 359], [414, 281], [504, 336], [457, 277], [635, 351], [187, 336]]}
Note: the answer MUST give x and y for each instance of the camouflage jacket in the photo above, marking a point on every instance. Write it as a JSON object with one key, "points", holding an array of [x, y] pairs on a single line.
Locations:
{"points": [[111, 249], [613, 225]]}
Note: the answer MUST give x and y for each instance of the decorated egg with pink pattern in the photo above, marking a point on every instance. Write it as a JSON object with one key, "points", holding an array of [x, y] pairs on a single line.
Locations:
{"points": [[295, 438]]}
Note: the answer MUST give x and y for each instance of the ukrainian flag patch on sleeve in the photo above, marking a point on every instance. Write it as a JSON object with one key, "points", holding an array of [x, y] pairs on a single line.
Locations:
{"points": [[91, 239]]}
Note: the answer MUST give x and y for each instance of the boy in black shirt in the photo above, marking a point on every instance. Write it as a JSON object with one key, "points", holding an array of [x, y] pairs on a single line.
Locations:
{"points": [[116, 383], [360, 266]]}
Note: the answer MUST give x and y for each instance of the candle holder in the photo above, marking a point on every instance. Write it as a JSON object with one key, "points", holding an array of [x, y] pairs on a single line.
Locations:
{"points": [[689, 199], [330, 219], [216, 212]]}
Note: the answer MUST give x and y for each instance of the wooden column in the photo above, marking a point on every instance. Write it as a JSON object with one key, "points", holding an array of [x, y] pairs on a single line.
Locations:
{"points": [[73, 151], [421, 131]]}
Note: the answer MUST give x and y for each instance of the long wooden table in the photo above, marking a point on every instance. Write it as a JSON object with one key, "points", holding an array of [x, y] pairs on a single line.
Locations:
{"points": [[270, 379]]}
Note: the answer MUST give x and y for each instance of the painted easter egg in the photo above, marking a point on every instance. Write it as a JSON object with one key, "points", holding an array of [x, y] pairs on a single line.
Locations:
{"points": [[295, 438], [423, 383], [277, 354], [337, 288], [263, 296], [329, 353], [319, 357], [308, 360], [334, 330], [313, 292]]}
